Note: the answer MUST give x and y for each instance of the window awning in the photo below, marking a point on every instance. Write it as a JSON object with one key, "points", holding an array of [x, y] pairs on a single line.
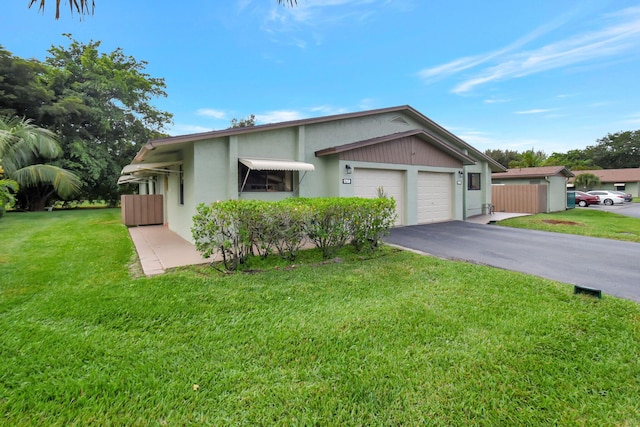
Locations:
{"points": [[130, 179], [276, 165], [149, 167], [619, 184]]}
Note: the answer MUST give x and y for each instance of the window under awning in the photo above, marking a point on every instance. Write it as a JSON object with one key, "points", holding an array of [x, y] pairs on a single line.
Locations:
{"points": [[149, 167], [276, 165]]}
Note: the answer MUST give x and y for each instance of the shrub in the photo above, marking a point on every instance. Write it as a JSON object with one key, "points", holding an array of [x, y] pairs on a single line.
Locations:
{"points": [[220, 228], [292, 216], [329, 224], [237, 229], [371, 220]]}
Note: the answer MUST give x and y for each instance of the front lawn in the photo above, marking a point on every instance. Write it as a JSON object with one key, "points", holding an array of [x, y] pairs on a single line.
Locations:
{"points": [[582, 221], [396, 339]]}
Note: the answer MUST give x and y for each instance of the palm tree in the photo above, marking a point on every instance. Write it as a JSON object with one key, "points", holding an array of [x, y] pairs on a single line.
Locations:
{"points": [[23, 149], [85, 7]]}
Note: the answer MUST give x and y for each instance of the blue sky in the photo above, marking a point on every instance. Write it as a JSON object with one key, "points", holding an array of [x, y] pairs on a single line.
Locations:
{"points": [[552, 75]]}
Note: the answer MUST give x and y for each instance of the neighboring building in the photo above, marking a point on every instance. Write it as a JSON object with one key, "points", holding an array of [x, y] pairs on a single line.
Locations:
{"points": [[432, 174], [535, 190], [627, 180]]}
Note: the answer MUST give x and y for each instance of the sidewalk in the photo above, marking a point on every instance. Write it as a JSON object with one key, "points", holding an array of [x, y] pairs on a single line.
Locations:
{"points": [[160, 248]]}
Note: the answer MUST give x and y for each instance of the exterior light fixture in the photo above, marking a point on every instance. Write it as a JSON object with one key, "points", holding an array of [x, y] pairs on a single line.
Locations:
{"points": [[460, 174], [349, 169]]}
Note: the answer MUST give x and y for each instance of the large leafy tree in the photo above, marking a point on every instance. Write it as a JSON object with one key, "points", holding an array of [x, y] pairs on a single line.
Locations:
{"points": [[24, 152], [617, 150], [572, 159], [504, 157], [528, 159], [84, 7], [101, 109], [98, 103]]}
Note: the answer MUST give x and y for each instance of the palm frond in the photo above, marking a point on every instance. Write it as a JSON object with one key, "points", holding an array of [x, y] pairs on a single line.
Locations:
{"points": [[81, 6], [65, 183]]}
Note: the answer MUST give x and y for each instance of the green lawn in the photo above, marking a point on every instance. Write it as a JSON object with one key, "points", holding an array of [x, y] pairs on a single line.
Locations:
{"points": [[396, 339], [582, 221]]}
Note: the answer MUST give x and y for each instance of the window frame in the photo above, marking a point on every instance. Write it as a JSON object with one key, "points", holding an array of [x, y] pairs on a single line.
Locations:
{"points": [[474, 181], [245, 181]]}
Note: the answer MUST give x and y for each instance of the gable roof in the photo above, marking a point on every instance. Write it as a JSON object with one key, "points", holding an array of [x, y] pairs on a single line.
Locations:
{"points": [[536, 172], [614, 175], [495, 166], [419, 133]]}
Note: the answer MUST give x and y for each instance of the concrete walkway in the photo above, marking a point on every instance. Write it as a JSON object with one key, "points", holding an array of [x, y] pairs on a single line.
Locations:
{"points": [[160, 248]]}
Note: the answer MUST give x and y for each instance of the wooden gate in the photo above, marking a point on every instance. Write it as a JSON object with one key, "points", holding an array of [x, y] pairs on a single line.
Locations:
{"points": [[141, 209], [531, 199]]}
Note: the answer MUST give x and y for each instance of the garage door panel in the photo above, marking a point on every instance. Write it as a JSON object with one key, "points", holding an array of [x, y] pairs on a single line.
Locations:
{"points": [[368, 181], [434, 197]]}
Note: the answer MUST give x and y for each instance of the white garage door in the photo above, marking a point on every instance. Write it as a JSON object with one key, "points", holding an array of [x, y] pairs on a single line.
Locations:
{"points": [[434, 197], [367, 181]]}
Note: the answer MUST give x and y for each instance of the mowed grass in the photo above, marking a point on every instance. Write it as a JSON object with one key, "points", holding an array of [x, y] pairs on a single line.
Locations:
{"points": [[582, 221], [391, 339]]}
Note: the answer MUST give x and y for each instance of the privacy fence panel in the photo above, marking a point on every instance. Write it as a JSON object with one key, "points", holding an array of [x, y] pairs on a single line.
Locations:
{"points": [[529, 199], [141, 209]]}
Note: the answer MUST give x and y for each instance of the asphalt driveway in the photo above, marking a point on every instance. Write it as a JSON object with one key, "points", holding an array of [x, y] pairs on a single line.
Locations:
{"points": [[609, 265]]}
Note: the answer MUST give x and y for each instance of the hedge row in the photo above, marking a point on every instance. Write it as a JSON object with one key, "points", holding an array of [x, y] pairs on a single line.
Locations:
{"points": [[239, 229]]}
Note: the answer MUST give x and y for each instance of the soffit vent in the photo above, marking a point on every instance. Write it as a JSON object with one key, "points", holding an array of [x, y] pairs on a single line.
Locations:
{"points": [[399, 119]]}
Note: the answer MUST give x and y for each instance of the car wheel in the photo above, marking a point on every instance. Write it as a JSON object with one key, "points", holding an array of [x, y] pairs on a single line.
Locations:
{"points": [[582, 203], [608, 202]]}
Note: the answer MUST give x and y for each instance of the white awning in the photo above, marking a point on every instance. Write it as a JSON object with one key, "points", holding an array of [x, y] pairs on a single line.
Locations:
{"points": [[276, 165], [149, 167], [130, 179], [619, 184]]}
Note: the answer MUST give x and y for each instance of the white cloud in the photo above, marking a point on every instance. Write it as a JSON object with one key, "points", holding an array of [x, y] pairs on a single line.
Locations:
{"points": [[185, 129], [318, 17], [279, 116], [620, 36], [534, 111], [633, 119], [208, 112], [495, 101]]}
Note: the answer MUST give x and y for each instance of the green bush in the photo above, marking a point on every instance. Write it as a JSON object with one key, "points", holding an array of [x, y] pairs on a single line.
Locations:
{"points": [[329, 224], [221, 228], [237, 229], [371, 220]]}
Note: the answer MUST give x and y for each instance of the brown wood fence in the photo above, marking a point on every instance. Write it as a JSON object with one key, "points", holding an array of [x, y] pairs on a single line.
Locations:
{"points": [[141, 209], [530, 199]]}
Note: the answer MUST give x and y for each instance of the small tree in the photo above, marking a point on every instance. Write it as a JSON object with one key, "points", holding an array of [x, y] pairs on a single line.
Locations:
{"points": [[243, 123], [586, 181]]}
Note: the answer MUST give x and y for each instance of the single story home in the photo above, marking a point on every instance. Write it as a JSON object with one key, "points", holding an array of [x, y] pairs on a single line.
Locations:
{"points": [[432, 174], [627, 180], [531, 190]]}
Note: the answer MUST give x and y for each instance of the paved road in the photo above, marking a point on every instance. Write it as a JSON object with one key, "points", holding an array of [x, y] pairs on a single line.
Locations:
{"points": [[627, 209], [609, 265]]}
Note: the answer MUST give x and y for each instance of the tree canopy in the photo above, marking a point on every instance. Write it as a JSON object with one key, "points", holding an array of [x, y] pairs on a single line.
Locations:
{"points": [[99, 105], [615, 151], [242, 123]]}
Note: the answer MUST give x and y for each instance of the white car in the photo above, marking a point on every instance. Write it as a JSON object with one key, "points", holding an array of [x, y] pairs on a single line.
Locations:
{"points": [[607, 197]]}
